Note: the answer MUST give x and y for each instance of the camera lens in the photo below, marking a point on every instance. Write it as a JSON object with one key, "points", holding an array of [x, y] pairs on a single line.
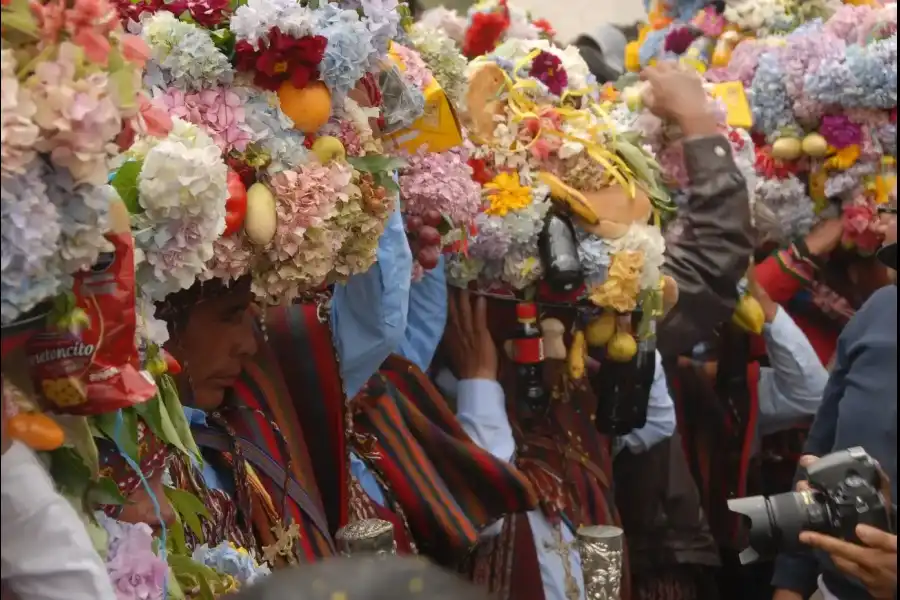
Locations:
{"points": [[775, 522]]}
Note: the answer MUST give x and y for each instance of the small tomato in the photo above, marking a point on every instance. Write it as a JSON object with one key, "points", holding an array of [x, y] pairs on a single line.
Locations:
{"points": [[236, 206]]}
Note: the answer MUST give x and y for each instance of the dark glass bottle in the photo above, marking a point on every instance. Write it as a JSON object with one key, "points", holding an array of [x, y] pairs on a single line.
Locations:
{"points": [[623, 389], [558, 249], [528, 355]]}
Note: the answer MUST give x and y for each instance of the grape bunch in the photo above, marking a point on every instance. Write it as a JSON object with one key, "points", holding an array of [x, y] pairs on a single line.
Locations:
{"points": [[424, 237]]}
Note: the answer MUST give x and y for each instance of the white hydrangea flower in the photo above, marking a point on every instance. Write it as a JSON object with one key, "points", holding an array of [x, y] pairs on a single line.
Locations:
{"points": [[649, 241]]}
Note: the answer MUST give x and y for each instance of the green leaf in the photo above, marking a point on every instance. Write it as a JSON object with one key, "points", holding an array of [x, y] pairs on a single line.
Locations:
{"points": [[376, 163], [18, 17], [69, 472], [169, 395], [104, 491], [183, 565], [175, 540], [189, 509], [126, 184], [127, 439], [123, 86], [173, 588], [81, 439], [445, 226]]}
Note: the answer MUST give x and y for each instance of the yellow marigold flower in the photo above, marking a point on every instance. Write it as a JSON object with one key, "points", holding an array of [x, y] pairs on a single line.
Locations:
{"points": [[506, 194]]}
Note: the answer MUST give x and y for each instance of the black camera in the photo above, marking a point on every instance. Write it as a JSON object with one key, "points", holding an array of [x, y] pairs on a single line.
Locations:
{"points": [[844, 491]]}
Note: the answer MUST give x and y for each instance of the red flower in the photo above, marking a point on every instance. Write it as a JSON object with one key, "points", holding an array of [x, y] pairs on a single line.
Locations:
{"points": [[679, 39], [772, 168], [547, 68], [285, 59], [480, 172], [484, 33], [859, 233], [545, 27], [208, 13], [736, 140]]}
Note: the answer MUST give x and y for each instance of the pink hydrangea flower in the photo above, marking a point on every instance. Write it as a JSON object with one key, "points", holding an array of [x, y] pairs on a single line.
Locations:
{"points": [[135, 571], [77, 115], [219, 111]]}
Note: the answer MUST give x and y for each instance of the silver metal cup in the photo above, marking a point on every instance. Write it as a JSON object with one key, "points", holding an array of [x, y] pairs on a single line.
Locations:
{"points": [[367, 536], [600, 547]]}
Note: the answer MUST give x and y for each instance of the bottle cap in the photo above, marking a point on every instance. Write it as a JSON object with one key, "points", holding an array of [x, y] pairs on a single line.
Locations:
{"points": [[526, 311]]}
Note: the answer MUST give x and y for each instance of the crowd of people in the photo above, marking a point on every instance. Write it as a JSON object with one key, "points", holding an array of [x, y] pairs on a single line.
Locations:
{"points": [[351, 300]]}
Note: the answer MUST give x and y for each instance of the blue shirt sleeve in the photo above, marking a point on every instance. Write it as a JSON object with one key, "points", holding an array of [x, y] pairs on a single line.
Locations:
{"points": [[661, 421], [369, 311], [792, 388], [426, 318], [367, 480]]}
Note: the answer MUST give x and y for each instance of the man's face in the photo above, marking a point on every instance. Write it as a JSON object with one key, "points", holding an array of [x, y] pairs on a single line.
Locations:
{"points": [[214, 345]]}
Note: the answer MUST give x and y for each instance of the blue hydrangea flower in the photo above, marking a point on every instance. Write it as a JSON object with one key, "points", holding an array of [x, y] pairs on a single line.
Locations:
{"points": [[349, 51], [225, 559], [769, 99], [865, 77], [31, 269]]}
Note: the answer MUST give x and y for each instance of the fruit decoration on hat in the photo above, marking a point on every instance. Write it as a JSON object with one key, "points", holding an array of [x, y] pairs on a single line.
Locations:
{"points": [[562, 176]]}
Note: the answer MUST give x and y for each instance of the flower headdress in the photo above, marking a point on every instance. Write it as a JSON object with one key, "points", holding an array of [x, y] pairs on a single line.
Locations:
{"points": [[70, 79], [546, 151], [491, 22], [280, 174]]}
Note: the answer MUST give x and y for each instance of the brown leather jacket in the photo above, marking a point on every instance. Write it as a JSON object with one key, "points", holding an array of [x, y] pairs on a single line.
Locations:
{"points": [[708, 246], [708, 250]]}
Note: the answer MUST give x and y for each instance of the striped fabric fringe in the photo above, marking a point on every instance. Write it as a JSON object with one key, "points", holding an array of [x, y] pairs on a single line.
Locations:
{"points": [[448, 487], [260, 409]]}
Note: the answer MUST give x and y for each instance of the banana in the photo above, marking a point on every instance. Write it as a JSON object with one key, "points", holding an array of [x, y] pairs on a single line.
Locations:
{"points": [[749, 315], [572, 199], [576, 358]]}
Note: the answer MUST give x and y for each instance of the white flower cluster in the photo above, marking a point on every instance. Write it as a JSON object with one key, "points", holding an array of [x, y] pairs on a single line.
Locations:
{"points": [[647, 240], [253, 21], [183, 190]]}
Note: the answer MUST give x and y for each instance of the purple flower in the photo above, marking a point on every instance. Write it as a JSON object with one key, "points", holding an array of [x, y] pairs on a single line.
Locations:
{"points": [[840, 132], [547, 68], [135, 571], [679, 39]]}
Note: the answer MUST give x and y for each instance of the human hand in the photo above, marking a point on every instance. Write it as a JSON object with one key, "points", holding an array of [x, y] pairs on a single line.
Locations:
{"points": [[676, 94], [770, 308], [805, 461], [467, 339], [824, 237], [874, 563]]}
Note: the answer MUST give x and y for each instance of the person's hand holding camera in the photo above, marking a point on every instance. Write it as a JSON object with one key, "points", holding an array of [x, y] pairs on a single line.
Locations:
{"points": [[874, 563]]}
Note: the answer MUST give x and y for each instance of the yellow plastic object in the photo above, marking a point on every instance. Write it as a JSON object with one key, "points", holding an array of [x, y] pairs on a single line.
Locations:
{"points": [[732, 95], [438, 128]]}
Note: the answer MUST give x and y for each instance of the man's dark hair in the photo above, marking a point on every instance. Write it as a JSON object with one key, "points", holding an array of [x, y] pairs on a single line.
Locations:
{"points": [[369, 578]]}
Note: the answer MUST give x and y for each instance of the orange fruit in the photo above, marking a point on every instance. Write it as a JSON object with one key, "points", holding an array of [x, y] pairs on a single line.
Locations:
{"points": [[37, 431], [309, 107]]}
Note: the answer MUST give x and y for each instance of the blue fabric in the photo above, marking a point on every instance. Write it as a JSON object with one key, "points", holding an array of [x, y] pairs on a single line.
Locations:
{"points": [[790, 390], [859, 408], [368, 312], [367, 480], [426, 318], [212, 478]]}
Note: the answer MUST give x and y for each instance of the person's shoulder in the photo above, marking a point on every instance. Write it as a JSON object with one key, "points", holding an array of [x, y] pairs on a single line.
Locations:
{"points": [[881, 304]]}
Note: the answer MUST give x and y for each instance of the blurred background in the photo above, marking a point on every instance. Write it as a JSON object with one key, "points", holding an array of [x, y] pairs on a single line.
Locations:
{"points": [[569, 17]]}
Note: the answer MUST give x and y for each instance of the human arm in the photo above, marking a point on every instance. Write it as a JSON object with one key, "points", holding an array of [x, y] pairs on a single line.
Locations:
{"points": [[661, 421], [426, 317], [369, 311], [709, 245], [792, 388], [47, 552]]}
